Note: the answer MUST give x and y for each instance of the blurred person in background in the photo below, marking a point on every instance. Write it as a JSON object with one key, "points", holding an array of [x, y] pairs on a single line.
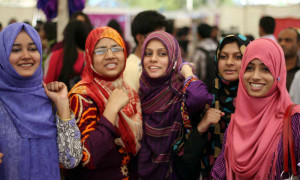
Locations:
{"points": [[80, 16], [214, 33], [289, 40], [182, 38], [67, 64], [12, 20], [267, 27], [204, 56], [115, 25]]}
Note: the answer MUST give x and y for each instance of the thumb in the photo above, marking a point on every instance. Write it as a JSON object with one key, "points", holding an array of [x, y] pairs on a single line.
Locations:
{"points": [[45, 87], [222, 114]]}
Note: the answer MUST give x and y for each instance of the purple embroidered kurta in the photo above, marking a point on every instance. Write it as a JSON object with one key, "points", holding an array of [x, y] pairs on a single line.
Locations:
{"points": [[219, 169]]}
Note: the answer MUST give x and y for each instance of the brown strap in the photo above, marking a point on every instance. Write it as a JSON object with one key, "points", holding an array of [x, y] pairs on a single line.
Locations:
{"points": [[288, 141]]}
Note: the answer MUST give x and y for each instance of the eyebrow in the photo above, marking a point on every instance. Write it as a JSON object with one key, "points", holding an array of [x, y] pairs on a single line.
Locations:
{"points": [[31, 43], [258, 64], [157, 49], [115, 45]]}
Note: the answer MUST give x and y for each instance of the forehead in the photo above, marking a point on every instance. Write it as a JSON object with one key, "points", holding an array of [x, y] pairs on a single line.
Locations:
{"points": [[232, 46], [106, 42], [155, 44], [23, 37], [288, 33]]}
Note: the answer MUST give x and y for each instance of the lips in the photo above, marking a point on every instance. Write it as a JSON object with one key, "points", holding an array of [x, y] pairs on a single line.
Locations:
{"points": [[111, 65], [229, 71], [26, 64], [256, 86], [154, 68]]}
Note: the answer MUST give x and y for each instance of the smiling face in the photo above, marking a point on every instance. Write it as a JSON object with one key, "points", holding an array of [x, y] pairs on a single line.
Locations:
{"points": [[156, 59], [229, 63], [257, 78], [24, 57], [109, 64]]}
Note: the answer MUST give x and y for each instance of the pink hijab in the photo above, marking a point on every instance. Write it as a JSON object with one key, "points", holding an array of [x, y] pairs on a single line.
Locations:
{"points": [[256, 126]]}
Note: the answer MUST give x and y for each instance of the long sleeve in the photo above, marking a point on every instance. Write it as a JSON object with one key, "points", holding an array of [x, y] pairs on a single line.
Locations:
{"points": [[197, 96], [97, 133], [68, 140], [219, 169]]}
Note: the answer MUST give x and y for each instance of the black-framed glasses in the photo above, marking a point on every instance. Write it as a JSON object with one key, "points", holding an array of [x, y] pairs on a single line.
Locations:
{"points": [[102, 51]]}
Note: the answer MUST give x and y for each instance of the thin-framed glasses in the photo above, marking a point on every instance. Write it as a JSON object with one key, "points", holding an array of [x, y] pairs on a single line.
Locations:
{"points": [[102, 51]]}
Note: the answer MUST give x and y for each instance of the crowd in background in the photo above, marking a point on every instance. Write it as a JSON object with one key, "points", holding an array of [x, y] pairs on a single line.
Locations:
{"points": [[162, 108]]}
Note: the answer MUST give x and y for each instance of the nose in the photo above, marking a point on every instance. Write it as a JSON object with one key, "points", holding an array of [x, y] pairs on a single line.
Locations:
{"points": [[153, 57], [26, 54], [230, 61], [256, 74], [109, 54]]}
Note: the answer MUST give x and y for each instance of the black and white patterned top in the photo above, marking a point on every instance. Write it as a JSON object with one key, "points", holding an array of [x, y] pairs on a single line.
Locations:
{"points": [[68, 140]]}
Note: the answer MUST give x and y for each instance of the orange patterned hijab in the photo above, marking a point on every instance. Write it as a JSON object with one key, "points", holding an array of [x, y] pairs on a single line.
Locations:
{"points": [[99, 88]]}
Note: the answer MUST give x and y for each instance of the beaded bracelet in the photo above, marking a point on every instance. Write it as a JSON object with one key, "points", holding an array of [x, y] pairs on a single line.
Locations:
{"points": [[184, 113]]}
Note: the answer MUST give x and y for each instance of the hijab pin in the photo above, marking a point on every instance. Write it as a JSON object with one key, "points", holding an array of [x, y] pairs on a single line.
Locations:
{"points": [[278, 78]]}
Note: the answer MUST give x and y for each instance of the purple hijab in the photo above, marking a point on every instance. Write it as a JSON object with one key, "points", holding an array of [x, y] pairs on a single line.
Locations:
{"points": [[161, 101], [158, 94], [24, 97]]}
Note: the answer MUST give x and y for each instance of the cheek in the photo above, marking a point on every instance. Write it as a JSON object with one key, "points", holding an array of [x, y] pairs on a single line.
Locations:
{"points": [[238, 65], [221, 66], [165, 63], [245, 79], [12, 59]]}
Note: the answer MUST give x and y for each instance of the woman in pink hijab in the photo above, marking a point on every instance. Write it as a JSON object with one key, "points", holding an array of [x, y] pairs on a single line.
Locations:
{"points": [[253, 143]]}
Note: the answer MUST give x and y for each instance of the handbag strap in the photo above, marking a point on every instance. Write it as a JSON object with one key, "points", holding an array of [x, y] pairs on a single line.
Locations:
{"points": [[288, 141]]}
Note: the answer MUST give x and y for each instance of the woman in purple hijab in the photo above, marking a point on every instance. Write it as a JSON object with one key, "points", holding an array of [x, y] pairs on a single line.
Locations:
{"points": [[171, 98], [33, 139]]}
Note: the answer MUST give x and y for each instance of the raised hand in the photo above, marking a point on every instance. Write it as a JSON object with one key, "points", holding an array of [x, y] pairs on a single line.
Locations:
{"points": [[186, 71], [117, 100], [58, 93], [212, 116]]}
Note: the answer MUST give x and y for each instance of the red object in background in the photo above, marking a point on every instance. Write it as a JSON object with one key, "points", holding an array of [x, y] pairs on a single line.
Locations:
{"points": [[283, 23]]}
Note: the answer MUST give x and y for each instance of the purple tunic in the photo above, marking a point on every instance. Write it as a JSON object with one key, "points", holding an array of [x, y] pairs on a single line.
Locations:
{"points": [[219, 168], [156, 157]]}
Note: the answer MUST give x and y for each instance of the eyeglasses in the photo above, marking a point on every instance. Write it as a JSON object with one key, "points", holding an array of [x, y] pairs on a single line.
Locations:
{"points": [[102, 51]]}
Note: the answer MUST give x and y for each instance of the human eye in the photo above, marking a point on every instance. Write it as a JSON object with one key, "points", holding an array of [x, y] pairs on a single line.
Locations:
{"points": [[249, 68], [239, 56], [223, 57], [162, 53], [148, 53], [266, 69], [116, 49], [100, 51], [32, 48], [15, 50]]}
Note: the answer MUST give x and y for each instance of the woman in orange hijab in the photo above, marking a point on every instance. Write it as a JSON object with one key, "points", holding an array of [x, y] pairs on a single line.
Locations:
{"points": [[107, 110]]}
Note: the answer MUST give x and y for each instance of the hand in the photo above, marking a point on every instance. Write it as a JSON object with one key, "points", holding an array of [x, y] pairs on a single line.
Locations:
{"points": [[186, 71], [117, 100], [212, 116], [1, 155], [58, 93]]}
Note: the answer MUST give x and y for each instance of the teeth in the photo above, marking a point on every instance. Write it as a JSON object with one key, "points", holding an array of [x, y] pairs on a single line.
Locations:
{"points": [[256, 85], [154, 67], [110, 65], [26, 65]]}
